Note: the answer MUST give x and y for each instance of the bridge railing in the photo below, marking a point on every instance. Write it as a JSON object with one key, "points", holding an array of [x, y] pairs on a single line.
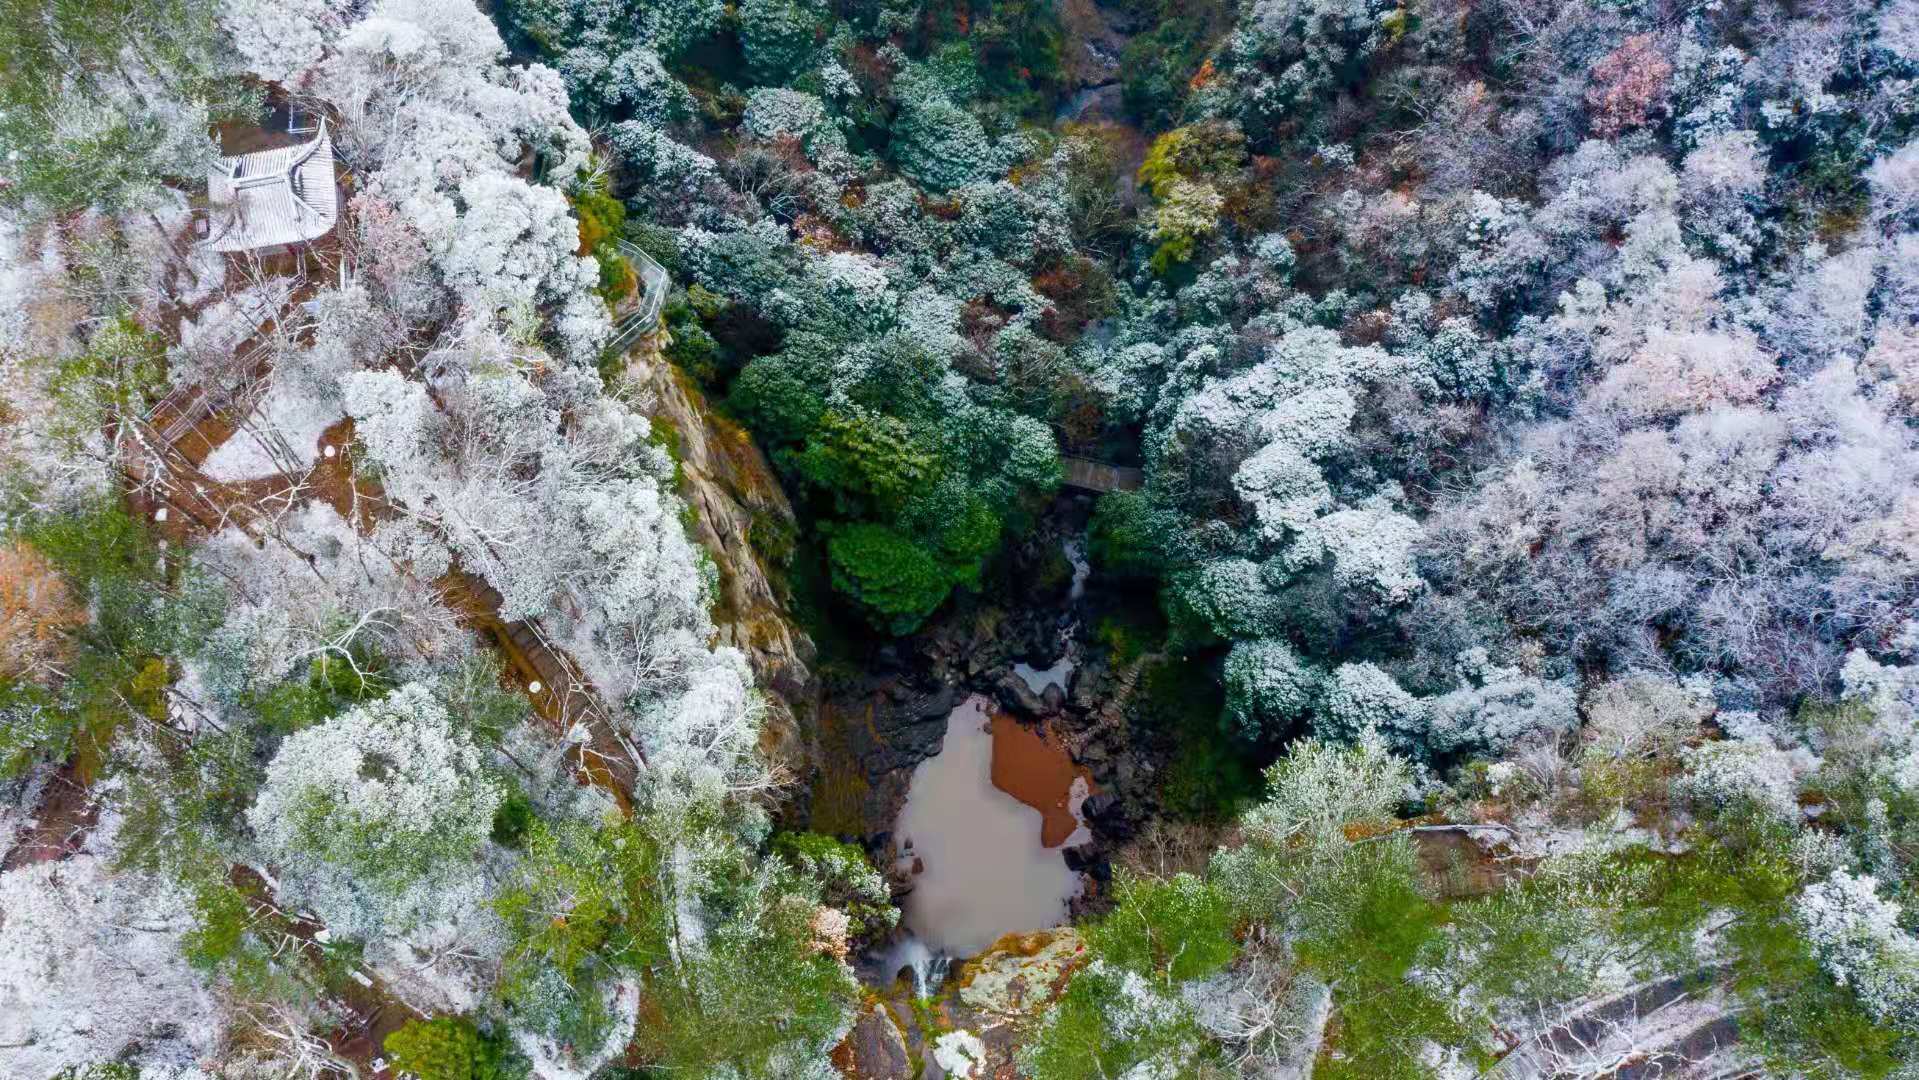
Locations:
{"points": [[654, 284]]}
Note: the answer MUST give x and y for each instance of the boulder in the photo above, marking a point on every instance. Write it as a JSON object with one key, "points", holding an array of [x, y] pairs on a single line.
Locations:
{"points": [[875, 1049], [1021, 972]]}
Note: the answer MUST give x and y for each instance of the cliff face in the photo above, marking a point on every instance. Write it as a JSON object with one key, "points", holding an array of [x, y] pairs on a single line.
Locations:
{"points": [[739, 515]]}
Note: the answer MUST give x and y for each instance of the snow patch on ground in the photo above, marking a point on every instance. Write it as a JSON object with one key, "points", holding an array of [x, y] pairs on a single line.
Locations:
{"points": [[282, 435], [960, 1054]]}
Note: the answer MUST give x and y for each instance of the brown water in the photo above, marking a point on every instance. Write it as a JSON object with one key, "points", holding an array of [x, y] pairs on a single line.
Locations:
{"points": [[988, 863], [1037, 771]]}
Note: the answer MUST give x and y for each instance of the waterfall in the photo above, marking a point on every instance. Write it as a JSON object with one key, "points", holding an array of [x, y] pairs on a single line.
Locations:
{"points": [[1061, 673], [1076, 554], [928, 967]]}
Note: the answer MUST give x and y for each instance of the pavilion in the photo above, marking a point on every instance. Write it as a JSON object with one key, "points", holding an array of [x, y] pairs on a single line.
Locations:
{"points": [[271, 198]]}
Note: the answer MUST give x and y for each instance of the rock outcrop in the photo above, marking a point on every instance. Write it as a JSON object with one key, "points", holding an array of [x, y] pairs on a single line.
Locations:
{"points": [[739, 515], [1019, 974], [876, 1047]]}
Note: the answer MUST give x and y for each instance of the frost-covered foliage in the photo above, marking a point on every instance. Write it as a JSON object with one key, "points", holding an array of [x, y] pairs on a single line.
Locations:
{"points": [[89, 122], [91, 969], [374, 817], [1268, 685], [1319, 788], [1746, 771], [771, 113], [941, 146], [511, 246], [1860, 943], [332, 777], [283, 42], [577, 527], [1564, 444], [1486, 414], [1497, 708], [1121, 1015], [441, 125], [323, 593], [1525, 400], [1361, 697]]}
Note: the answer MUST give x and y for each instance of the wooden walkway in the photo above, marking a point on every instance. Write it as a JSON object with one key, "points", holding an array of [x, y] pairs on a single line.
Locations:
{"points": [[566, 699], [1097, 476]]}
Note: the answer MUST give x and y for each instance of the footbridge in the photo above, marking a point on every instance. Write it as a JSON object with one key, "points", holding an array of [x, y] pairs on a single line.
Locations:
{"points": [[1098, 476]]}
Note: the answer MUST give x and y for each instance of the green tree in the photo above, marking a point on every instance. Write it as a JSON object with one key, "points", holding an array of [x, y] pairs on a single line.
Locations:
{"points": [[1188, 170], [1158, 67], [866, 462], [778, 400], [602, 221], [846, 880], [1322, 866], [114, 380], [139, 611], [449, 1048], [1124, 1008], [940, 145], [778, 36], [893, 581], [1103, 1025], [582, 906], [758, 993], [1129, 534], [725, 952], [1019, 44], [1176, 929]]}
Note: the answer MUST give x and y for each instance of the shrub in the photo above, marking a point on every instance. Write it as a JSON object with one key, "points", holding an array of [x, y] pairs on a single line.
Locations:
{"points": [[1177, 929], [894, 582], [447, 1048], [846, 879], [1126, 536], [602, 221], [512, 820]]}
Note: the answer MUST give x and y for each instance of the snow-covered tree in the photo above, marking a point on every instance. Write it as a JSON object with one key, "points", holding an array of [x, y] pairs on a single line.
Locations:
{"points": [[1740, 773], [1498, 708], [282, 42], [940, 145], [92, 969], [1361, 698], [88, 122], [441, 125], [512, 246], [318, 592], [1320, 788], [374, 818], [1858, 939], [1371, 549], [1268, 686]]}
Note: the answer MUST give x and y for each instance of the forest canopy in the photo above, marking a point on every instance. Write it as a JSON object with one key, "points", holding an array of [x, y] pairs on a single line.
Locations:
{"points": [[1510, 611]]}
